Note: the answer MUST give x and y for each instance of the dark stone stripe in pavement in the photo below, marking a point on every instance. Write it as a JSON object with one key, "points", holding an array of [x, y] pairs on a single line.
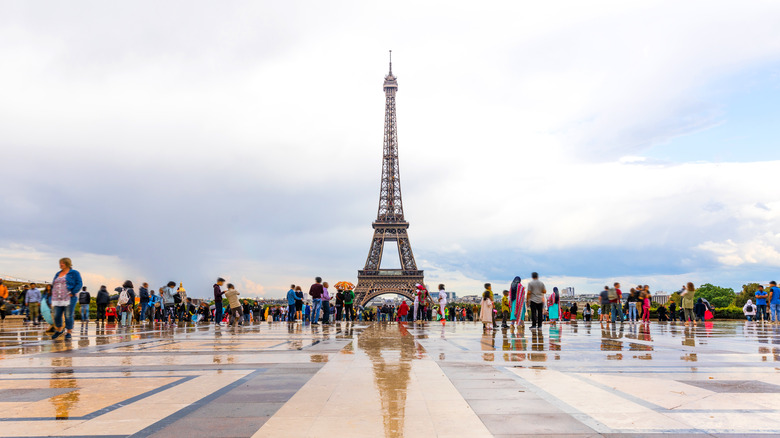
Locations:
{"points": [[237, 410], [506, 407]]}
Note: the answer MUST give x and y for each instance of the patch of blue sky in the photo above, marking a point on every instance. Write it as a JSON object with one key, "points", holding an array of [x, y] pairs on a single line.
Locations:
{"points": [[748, 129]]}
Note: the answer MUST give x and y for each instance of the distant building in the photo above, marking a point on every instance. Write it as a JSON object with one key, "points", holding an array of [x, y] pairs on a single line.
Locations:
{"points": [[582, 298], [567, 292], [660, 298]]}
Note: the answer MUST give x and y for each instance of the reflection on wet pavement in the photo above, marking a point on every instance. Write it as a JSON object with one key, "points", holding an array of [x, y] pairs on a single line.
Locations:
{"points": [[391, 356], [63, 403], [394, 379]]}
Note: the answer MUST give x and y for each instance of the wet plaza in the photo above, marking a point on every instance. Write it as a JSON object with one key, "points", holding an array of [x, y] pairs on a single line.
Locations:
{"points": [[393, 380]]}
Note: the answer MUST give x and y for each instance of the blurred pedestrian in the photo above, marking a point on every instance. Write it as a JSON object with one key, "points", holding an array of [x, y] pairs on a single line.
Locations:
{"points": [[33, 301], [218, 300], [749, 310], [143, 299], [688, 303], [535, 298], [102, 301], [65, 287], [315, 291], [84, 300], [291, 304], [126, 297], [486, 310]]}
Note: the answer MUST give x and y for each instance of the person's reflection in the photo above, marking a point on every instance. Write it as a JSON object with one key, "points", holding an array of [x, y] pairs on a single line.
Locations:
{"points": [[708, 328], [63, 378], [632, 331], [513, 345], [537, 344], [488, 343], [609, 338], [505, 339], [644, 333], [690, 337], [555, 338]]}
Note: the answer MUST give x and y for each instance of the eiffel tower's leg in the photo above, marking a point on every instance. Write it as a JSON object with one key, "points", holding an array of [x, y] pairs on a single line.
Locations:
{"points": [[375, 253], [407, 258]]}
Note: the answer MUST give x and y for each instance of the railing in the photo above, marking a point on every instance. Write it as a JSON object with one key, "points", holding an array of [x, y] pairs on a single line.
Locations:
{"points": [[390, 273]]}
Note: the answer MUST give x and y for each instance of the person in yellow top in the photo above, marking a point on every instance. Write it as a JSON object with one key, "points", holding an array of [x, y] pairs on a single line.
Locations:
{"points": [[505, 306]]}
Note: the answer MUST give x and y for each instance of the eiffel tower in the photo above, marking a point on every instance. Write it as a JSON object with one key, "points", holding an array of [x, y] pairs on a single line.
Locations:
{"points": [[389, 225]]}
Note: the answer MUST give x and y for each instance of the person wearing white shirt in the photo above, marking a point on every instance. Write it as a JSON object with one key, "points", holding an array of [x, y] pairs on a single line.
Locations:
{"points": [[442, 302]]}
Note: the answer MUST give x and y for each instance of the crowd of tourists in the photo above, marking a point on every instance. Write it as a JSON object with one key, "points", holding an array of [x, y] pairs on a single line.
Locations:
{"points": [[326, 304]]}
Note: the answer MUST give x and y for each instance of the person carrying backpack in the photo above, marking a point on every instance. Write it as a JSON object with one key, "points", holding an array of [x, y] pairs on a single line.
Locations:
{"points": [[349, 303], [749, 310], [168, 302], [126, 298]]}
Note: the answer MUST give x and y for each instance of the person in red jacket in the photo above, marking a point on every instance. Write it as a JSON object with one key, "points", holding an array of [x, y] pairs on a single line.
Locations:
{"points": [[111, 314], [403, 310]]}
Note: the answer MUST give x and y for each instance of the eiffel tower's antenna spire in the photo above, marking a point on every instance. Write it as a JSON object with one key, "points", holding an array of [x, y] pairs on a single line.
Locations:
{"points": [[391, 62]]}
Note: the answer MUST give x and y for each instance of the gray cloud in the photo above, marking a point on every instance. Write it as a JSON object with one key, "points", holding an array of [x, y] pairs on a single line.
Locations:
{"points": [[191, 140]]}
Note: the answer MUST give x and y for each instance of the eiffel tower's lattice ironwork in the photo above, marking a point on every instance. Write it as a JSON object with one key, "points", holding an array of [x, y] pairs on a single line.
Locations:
{"points": [[390, 225]]}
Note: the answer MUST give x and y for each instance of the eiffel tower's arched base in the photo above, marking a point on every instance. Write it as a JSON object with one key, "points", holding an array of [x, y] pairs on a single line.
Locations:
{"points": [[371, 286]]}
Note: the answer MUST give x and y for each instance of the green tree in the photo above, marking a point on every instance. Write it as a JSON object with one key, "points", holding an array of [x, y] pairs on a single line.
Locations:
{"points": [[676, 298], [748, 293], [716, 295]]}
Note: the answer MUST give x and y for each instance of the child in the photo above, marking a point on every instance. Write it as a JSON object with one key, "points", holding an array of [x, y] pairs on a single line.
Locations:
{"points": [[646, 307], [505, 309], [486, 313], [235, 306], [111, 314]]}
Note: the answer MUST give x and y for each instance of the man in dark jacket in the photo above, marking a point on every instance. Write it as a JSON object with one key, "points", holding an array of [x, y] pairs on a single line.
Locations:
{"points": [[247, 309], [339, 304], [84, 299], [102, 301], [218, 300], [143, 296], [316, 290]]}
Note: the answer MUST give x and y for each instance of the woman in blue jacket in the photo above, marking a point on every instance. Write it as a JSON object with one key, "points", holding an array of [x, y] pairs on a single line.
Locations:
{"points": [[65, 288]]}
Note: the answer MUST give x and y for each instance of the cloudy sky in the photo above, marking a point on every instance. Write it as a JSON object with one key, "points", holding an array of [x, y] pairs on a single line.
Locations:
{"points": [[591, 141]]}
